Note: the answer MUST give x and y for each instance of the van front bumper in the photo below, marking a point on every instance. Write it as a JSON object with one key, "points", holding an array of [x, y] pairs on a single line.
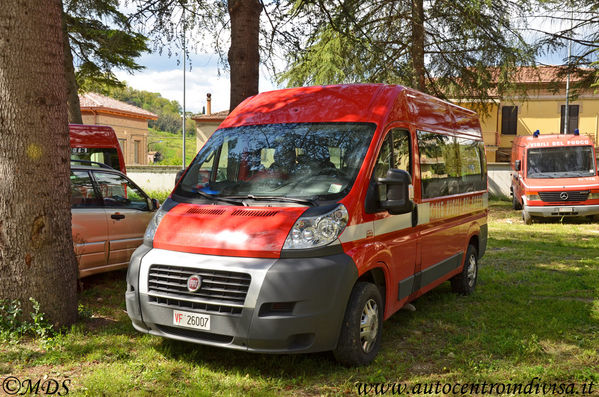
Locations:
{"points": [[561, 210], [310, 297]]}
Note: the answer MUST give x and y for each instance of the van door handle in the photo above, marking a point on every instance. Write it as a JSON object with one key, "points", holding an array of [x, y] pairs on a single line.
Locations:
{"points": [[117, 216]]}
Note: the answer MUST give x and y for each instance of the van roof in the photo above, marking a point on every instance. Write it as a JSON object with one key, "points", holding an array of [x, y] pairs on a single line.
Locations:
{"points": [[376, 103], [98, 136]]}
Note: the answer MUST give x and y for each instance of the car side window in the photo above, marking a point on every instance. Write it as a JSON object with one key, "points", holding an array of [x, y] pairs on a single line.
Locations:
{"points": [[83, 194], [119, 192]]}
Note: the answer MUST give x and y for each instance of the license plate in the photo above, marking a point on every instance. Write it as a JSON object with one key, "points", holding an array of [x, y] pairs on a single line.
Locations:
{"points": [[191, 320], [566, 209]]}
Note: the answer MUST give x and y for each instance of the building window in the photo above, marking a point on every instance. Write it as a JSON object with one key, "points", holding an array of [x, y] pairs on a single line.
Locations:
{"points": [[123, 144], [572, 119], [509, 120], [136, 151]]}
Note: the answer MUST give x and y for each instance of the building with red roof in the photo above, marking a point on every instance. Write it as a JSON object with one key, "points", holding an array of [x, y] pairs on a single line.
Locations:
{"points": [[129, 122]]}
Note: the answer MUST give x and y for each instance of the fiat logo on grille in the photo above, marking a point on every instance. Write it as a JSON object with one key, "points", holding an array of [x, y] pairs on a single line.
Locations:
{"points": [[563, 196], [194, 283]]}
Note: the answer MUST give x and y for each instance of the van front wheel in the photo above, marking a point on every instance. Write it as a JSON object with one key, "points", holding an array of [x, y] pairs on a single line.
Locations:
{"points": [[360, 337], [465, 282], [515, 203]]}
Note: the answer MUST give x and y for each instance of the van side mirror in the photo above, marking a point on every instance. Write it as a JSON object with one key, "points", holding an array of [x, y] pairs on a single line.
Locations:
{"points": [[179, 175], [397, 186], [518, 165]]}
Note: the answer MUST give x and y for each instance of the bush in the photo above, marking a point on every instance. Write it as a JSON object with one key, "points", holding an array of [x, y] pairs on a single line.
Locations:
{"points": [[13, 326]]}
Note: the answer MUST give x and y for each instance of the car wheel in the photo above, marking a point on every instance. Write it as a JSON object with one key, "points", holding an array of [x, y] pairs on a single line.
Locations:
{"points": [[515, 203], [465, 282], [360, 337]]}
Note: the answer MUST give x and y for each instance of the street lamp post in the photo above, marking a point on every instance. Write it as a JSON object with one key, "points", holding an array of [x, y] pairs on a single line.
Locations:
{"points": [[184, 59]]}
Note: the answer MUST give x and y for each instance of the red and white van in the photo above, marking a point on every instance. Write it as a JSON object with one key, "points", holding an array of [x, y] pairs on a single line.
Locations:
{"points": [[96, 143], [554, 176], [310, 216]]}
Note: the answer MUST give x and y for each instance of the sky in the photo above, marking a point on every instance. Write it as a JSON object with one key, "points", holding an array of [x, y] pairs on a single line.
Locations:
{"points": [[162, 74]]}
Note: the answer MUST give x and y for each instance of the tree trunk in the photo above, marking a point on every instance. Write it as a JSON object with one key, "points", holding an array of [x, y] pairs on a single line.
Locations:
{"points": [[418, 44], [36, 247], [244, 53], [72, 88]]}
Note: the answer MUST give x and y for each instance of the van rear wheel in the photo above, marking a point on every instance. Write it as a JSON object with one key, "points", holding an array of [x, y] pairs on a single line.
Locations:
{"points": [[465, 282], [360, 337]]}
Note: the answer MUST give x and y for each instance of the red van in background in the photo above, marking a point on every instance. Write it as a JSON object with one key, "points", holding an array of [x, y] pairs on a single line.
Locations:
{"points": [[554, 176], [97, 143], [310, 216]]}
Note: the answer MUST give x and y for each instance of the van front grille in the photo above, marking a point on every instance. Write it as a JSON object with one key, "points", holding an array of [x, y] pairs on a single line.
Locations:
{"points": [[565, 196], [220, 291]]}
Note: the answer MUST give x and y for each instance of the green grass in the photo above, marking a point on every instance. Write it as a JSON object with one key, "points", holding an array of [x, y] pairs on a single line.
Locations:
{"points": [[535, 313], [171, 147], [160, 195]]}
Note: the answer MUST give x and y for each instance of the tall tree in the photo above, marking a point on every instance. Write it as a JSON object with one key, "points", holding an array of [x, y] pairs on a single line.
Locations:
{"points": [[97, 39], [244, 53], [214, 23], [36, 248], [458, 48], [565, 23]]}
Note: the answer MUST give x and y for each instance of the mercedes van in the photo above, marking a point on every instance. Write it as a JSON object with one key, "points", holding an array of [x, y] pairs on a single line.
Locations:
{"points": [[311, 215], [554, 176]]}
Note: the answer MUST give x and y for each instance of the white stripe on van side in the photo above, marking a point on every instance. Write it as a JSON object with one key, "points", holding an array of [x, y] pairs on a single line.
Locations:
{"points": [[424, 213], [357, 232], [392, 224]]}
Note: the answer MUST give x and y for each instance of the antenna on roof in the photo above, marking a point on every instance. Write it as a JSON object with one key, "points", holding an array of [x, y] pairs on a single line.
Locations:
{"points": [[536, 133]]}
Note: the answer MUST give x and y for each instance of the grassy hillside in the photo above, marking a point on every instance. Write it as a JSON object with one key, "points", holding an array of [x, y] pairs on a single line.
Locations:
{"points": [[170, 145]]}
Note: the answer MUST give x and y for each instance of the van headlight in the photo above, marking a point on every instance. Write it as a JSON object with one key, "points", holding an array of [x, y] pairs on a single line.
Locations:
{"points": [[153, 225], [316, 231]]}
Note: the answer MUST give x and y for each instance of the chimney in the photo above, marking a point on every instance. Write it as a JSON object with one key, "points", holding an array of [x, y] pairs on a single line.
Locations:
{"points": [[208, 104]]}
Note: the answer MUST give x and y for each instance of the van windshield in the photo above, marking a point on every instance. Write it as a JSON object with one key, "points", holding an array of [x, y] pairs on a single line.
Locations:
{"points": [[108, 156], [279, 162], [560, 162]]}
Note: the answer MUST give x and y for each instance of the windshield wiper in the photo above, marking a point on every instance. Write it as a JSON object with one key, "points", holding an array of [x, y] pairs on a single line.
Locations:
{"points": [[217, 198], [311, 202]]}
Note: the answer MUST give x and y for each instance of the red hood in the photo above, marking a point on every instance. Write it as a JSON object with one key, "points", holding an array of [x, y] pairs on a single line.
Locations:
{"points": [[226, 230], [582, 183]]}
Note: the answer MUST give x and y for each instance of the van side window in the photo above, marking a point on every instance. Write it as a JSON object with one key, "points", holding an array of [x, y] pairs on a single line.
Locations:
{"points": [[385, 159], [450, 165], [401, 150]]}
